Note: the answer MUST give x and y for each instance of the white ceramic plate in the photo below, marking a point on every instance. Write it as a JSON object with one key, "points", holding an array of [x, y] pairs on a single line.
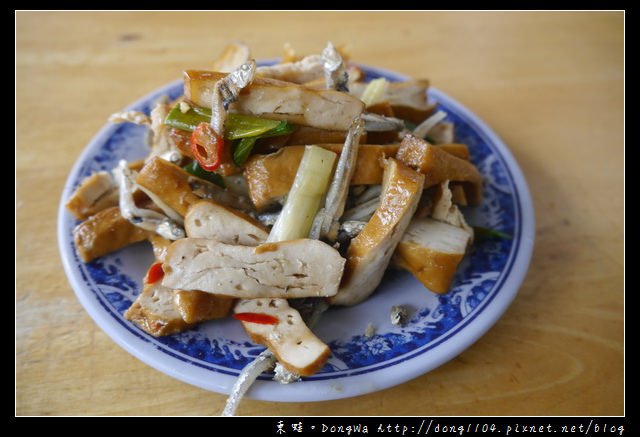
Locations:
{"points": [[440, 327]]}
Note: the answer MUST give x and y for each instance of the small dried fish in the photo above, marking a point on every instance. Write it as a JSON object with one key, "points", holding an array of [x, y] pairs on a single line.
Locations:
{"points": [[423, 128], [262, 363], [380, 123], [306, 69], [398, 315], [335, 72], [310, 309], [226, 91], [144, 218], [160, 141], [326, 222]]}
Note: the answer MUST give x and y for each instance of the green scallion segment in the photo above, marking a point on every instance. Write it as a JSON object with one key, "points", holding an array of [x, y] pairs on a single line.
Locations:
{"points": [[243, 126], [195, 169], [236, 126], [481, 232], [304, 199], [242, 149], [243, 146], [243, 130]]}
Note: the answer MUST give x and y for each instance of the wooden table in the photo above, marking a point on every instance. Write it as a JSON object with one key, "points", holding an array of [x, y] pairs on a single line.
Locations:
{"points": [[551, 85]]}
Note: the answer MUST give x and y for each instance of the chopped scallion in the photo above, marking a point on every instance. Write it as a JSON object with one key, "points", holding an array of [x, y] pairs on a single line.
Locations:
{"points": [[195, 169], [306, 195], [482, 232]]}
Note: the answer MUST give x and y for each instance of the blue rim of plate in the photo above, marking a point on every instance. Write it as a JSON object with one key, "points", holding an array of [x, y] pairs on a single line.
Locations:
{"points": [[440, 326]]}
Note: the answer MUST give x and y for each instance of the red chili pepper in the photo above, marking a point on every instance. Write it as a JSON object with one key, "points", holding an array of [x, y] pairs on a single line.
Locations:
{"points": [[207, 146], [264, 319], [155, 273]]}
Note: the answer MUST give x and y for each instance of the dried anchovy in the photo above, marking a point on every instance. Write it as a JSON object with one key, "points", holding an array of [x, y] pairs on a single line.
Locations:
{"points": [[398, 315], [262, 363], [326, 223], [423, 128], [380, 123], [335, 72], [141, 217], [304, 70], [283, 376], [208, 190], [226, 91], [310, 310], [159, 141]]}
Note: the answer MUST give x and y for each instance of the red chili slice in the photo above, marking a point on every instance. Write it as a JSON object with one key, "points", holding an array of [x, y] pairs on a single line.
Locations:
{"points": [[207, 146], [155, 273], [264, 319]]}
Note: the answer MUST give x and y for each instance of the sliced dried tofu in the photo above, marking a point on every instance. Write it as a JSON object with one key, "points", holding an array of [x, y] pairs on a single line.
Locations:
{"points": [[154, 311], [445, 210], [431, 250], [457, 149], [370, 252], [105, 232], [269, 177], [288, 269], [209, 219], [197, 306], [95, 193], [442, 133], [303, 135], [159, 245], [408, 100], [279, 100], [194, 306], [233, 56], [175, 188], [295, 346], [439, 165], [292, 342], [303, 70]]}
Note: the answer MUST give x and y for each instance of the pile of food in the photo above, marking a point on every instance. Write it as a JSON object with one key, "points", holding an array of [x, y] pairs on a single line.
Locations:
{"points": [[271, 193]]}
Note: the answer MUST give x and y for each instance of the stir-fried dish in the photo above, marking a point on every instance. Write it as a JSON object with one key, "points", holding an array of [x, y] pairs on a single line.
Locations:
{"points": [[273, 192]]}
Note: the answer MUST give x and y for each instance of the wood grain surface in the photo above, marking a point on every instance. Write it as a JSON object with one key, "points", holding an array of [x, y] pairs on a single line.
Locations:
{"points": [[550, 84]]}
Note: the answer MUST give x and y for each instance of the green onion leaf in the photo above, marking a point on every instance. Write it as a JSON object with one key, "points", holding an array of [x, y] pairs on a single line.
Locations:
{"points": [[243, 130], [195, 169], [307, 192], [236, 126], [482, 232], [242, 149]]}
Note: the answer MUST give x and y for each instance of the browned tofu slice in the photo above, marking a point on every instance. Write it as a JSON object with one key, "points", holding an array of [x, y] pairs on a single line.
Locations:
{"points": [[95, 193], [193, 305], [210, 219], [295, 346], [196, 306], [431, 250], [408, 100], [178, 189], [234, 55], [370, 252], [105, 232], [303, 135], [439, 165], [288, 269], [279, 100], [161, 310], [154, 311], [269, 177]]}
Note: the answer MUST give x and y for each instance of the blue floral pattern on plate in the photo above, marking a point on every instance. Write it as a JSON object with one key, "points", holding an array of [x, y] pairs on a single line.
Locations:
{"points": [[440, 326]]}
